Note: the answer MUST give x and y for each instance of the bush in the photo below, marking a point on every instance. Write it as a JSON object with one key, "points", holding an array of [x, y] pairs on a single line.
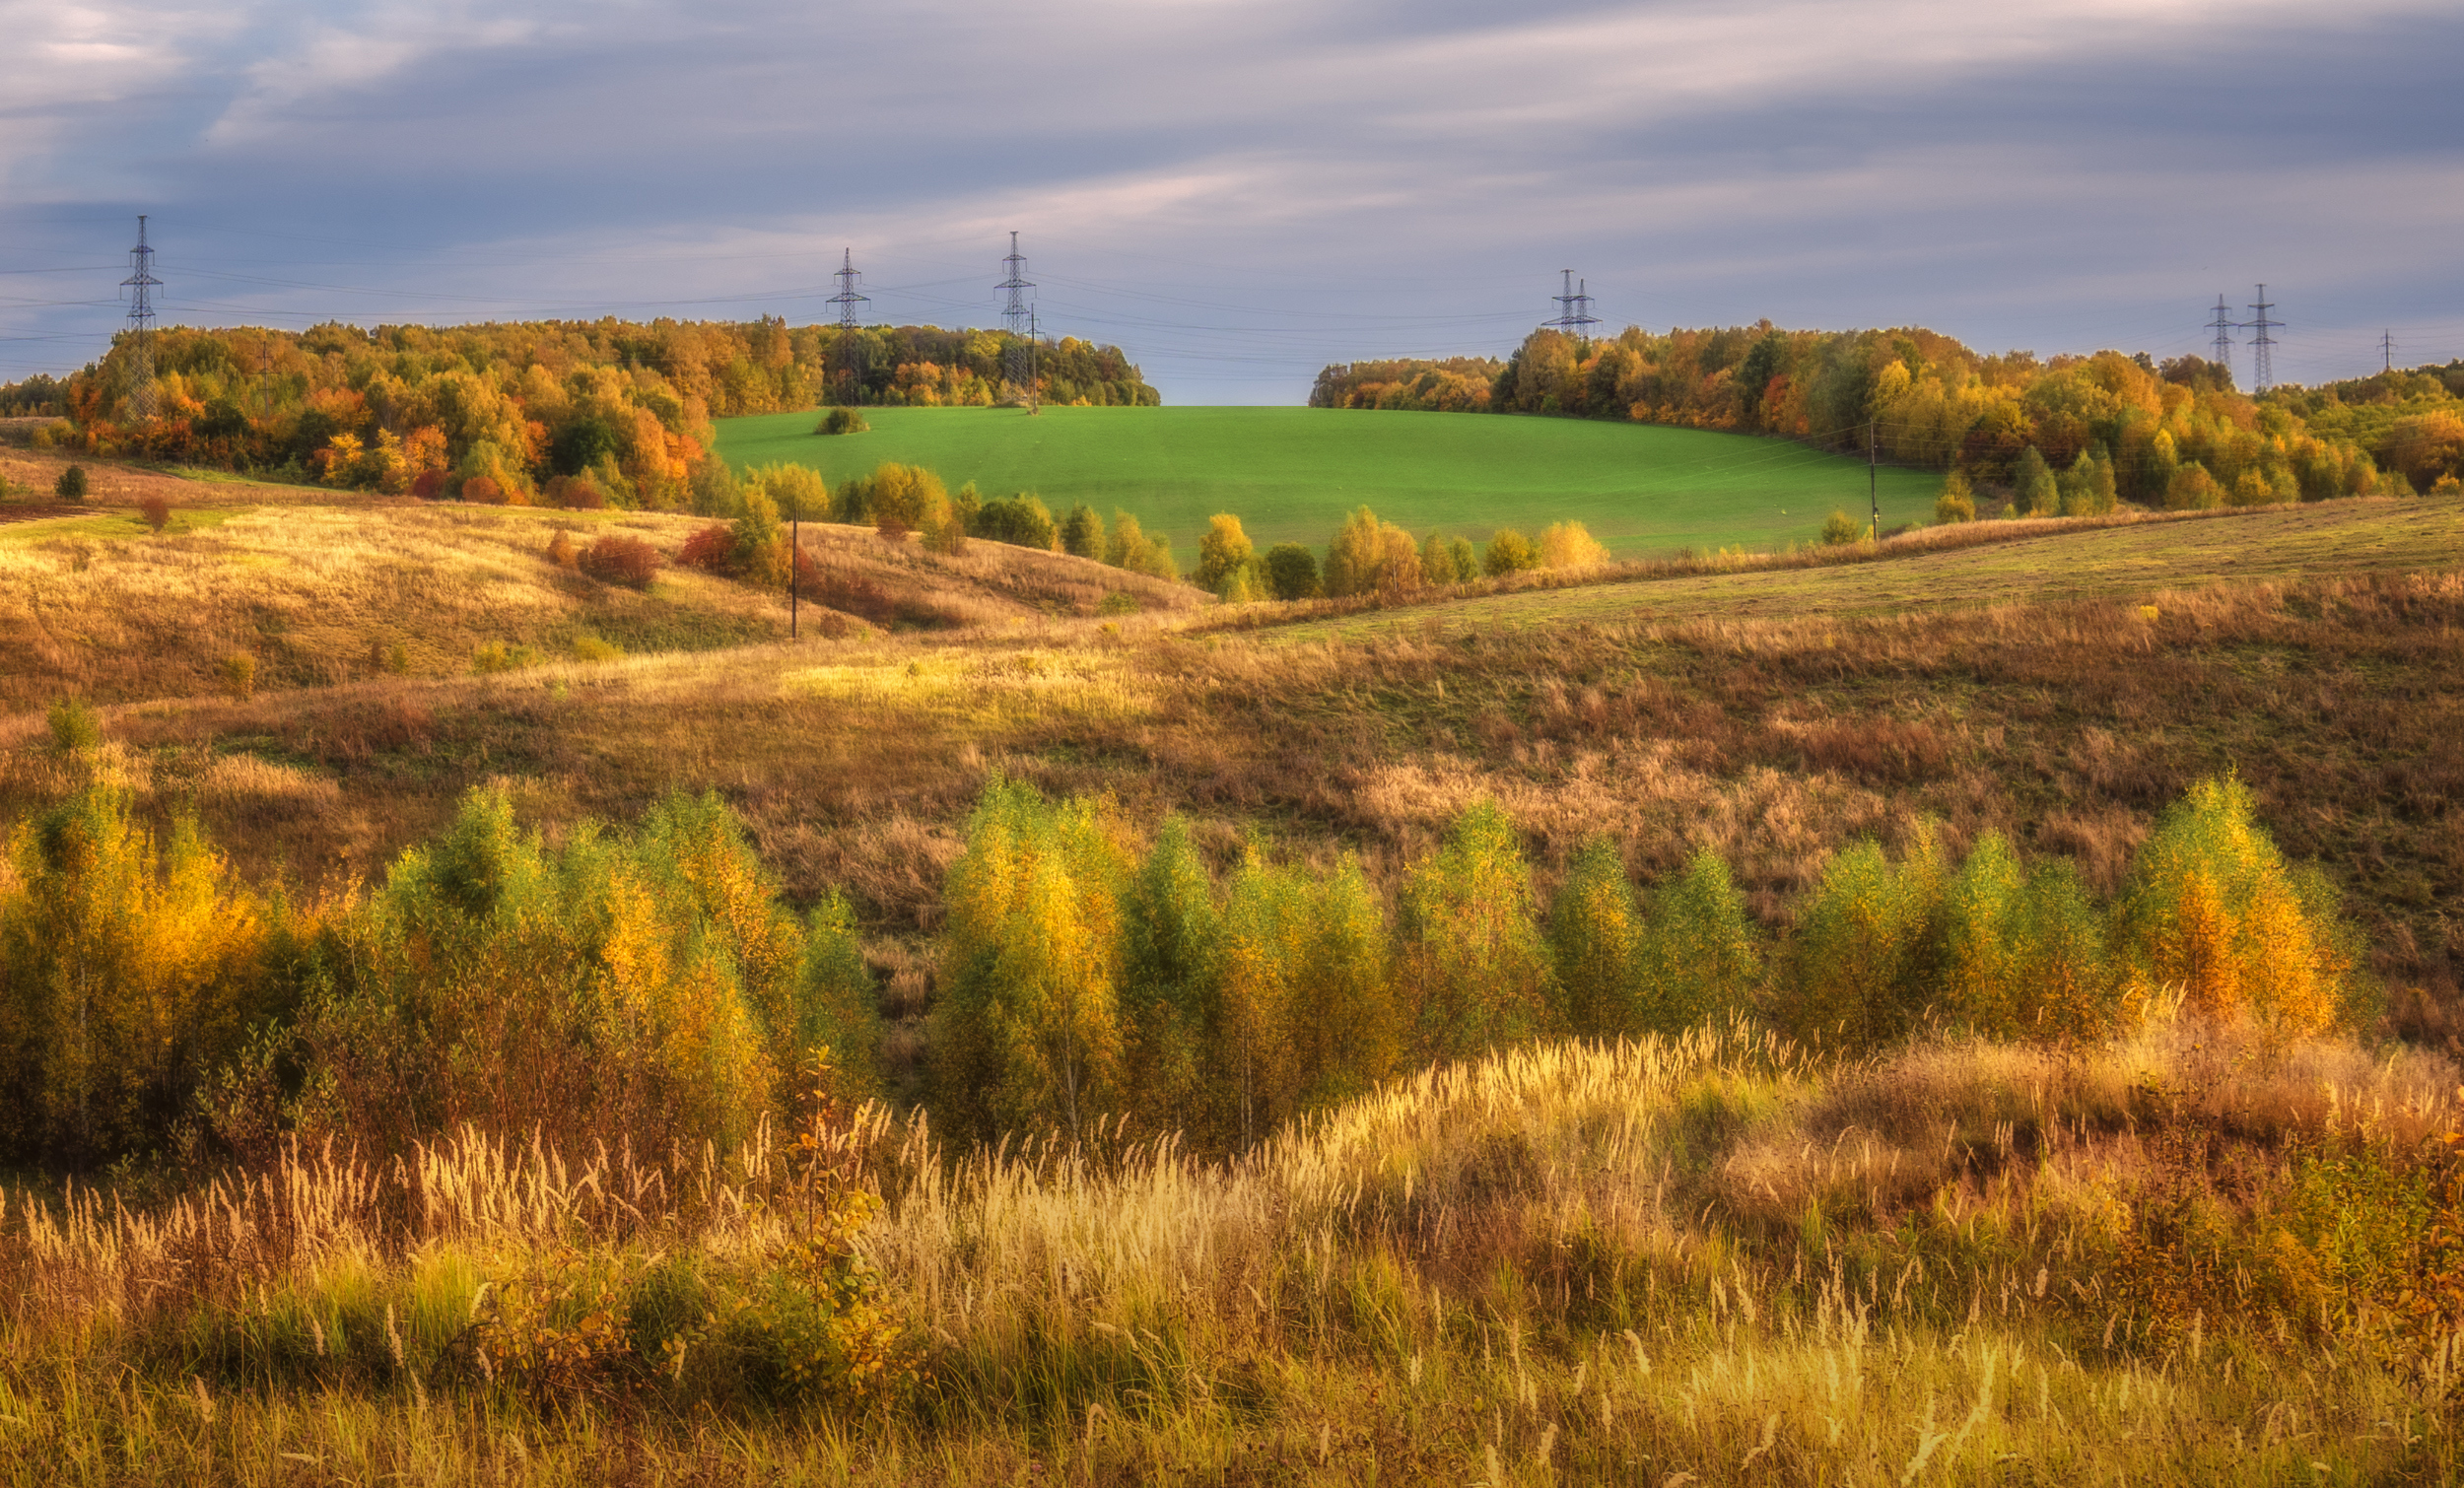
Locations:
{"points": [[574, 493], [1858, 956], [2213, 911], [1224, 550], [156, 511], [1129, 548], [1958, 501], [1476, 970], [842, 421], [238, 674], [589, 648], [1699, 955], [484, 490], [1023, 521], [1509, 551], [2192, 489], [1839, 529], [712, 550], [1570, 545], [561, 550], [1596, 935], [1083, 533], [429, 484], [628, 561], [491, 657], [1369, 556], [129, 970], [1292, 572], [75, 728], [71, 485]]}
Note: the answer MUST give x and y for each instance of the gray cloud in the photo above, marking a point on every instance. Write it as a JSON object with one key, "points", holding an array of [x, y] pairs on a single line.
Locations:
{"points": [[1239, 193]]}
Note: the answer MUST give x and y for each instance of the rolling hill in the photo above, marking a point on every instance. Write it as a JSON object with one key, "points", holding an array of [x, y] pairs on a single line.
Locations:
{"points": [[1291, 473]]}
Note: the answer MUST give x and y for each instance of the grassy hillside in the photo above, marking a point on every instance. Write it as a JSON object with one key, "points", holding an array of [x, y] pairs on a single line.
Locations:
{"points": [[1291, 473]]}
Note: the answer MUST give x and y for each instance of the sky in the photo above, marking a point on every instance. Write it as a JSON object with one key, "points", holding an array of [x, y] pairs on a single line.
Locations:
{"points": [[1240, 191]]}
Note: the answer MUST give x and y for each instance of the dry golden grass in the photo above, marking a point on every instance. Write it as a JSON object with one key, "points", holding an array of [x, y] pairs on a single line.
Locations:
{"points": [[1697, 1260]]}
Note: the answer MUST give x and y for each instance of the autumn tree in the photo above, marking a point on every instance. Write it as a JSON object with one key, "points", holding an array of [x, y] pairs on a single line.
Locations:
{"points": [[1476, 968], [1223, 548]]}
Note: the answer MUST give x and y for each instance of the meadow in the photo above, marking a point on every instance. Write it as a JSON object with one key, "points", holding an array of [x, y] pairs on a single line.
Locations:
{"points": [[1289, 474], [2178, 1248]]}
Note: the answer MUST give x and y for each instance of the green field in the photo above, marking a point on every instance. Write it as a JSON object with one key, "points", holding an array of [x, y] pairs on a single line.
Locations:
{"points": [[1290, 473]]}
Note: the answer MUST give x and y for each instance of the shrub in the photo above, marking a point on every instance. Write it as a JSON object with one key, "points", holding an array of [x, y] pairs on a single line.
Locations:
{"points": [[1292, 572], [1224, 550], [1509, 551], [2088, 488], [643, 987], [156, 511], [129, 970], [1083, 533], [483, 490], [712, 550], [1596, 934], [561, 550], [1857, 957], [1118, 602], [71, 485], [946, 534], [1476, 969], [796, 492], [1699, 955], [429, 484], [1171, 959], [574, 493], [2192, 489], [1958, 501], [1839, 529], [2447, 485], [2034, 489], [589, 648], [2021, 954], [1437, 561], [628, 561], [75, 728], [1241, 585], [2212, 908], [1023, 521], [238, 673], [1029, 1034], [1132, 549], [493, 656], [1570, 545], [842, 421]]}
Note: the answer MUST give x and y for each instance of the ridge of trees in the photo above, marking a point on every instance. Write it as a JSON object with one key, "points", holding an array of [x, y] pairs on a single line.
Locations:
{"points": [[1932, 401], [619, 406]]}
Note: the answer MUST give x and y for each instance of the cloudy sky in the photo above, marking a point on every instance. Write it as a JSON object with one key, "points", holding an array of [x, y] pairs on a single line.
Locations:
{"points": [[1238, 191]]}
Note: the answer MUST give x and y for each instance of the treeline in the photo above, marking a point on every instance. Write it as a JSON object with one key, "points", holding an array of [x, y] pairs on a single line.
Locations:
{"points": [[428, 410], [648, 987], [1929, 401]]}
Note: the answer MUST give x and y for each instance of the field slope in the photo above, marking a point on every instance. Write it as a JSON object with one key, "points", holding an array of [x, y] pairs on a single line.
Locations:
{"points": [[1290, 473]]}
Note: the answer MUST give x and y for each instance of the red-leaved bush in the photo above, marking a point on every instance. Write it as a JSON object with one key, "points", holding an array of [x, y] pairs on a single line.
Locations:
{"points": [[621, 560], [712, 550], [483, 489], [575, 494], [427, 484]]}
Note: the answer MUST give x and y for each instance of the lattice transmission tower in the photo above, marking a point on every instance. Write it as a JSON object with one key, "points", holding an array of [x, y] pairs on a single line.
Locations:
{"points": [[1574, 309], [2262, 345], [2222, 325], [850, 354], [2387, 351], [1018, 316], [141, 285]]}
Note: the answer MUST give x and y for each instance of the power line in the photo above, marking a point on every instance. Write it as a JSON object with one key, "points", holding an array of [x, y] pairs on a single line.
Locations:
{"points": [[141, 284]]}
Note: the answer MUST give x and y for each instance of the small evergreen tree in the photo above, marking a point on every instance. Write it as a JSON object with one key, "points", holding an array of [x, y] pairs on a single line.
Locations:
{"points": [[1083, 533]]}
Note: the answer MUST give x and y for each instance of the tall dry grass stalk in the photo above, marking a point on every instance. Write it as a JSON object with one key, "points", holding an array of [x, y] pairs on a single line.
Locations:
{"points": [[1697, 1257]]}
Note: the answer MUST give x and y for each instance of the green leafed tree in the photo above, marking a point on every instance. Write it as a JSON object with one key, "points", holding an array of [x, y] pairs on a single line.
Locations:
{"points": [[1030, 1034], [1475, 967]]}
